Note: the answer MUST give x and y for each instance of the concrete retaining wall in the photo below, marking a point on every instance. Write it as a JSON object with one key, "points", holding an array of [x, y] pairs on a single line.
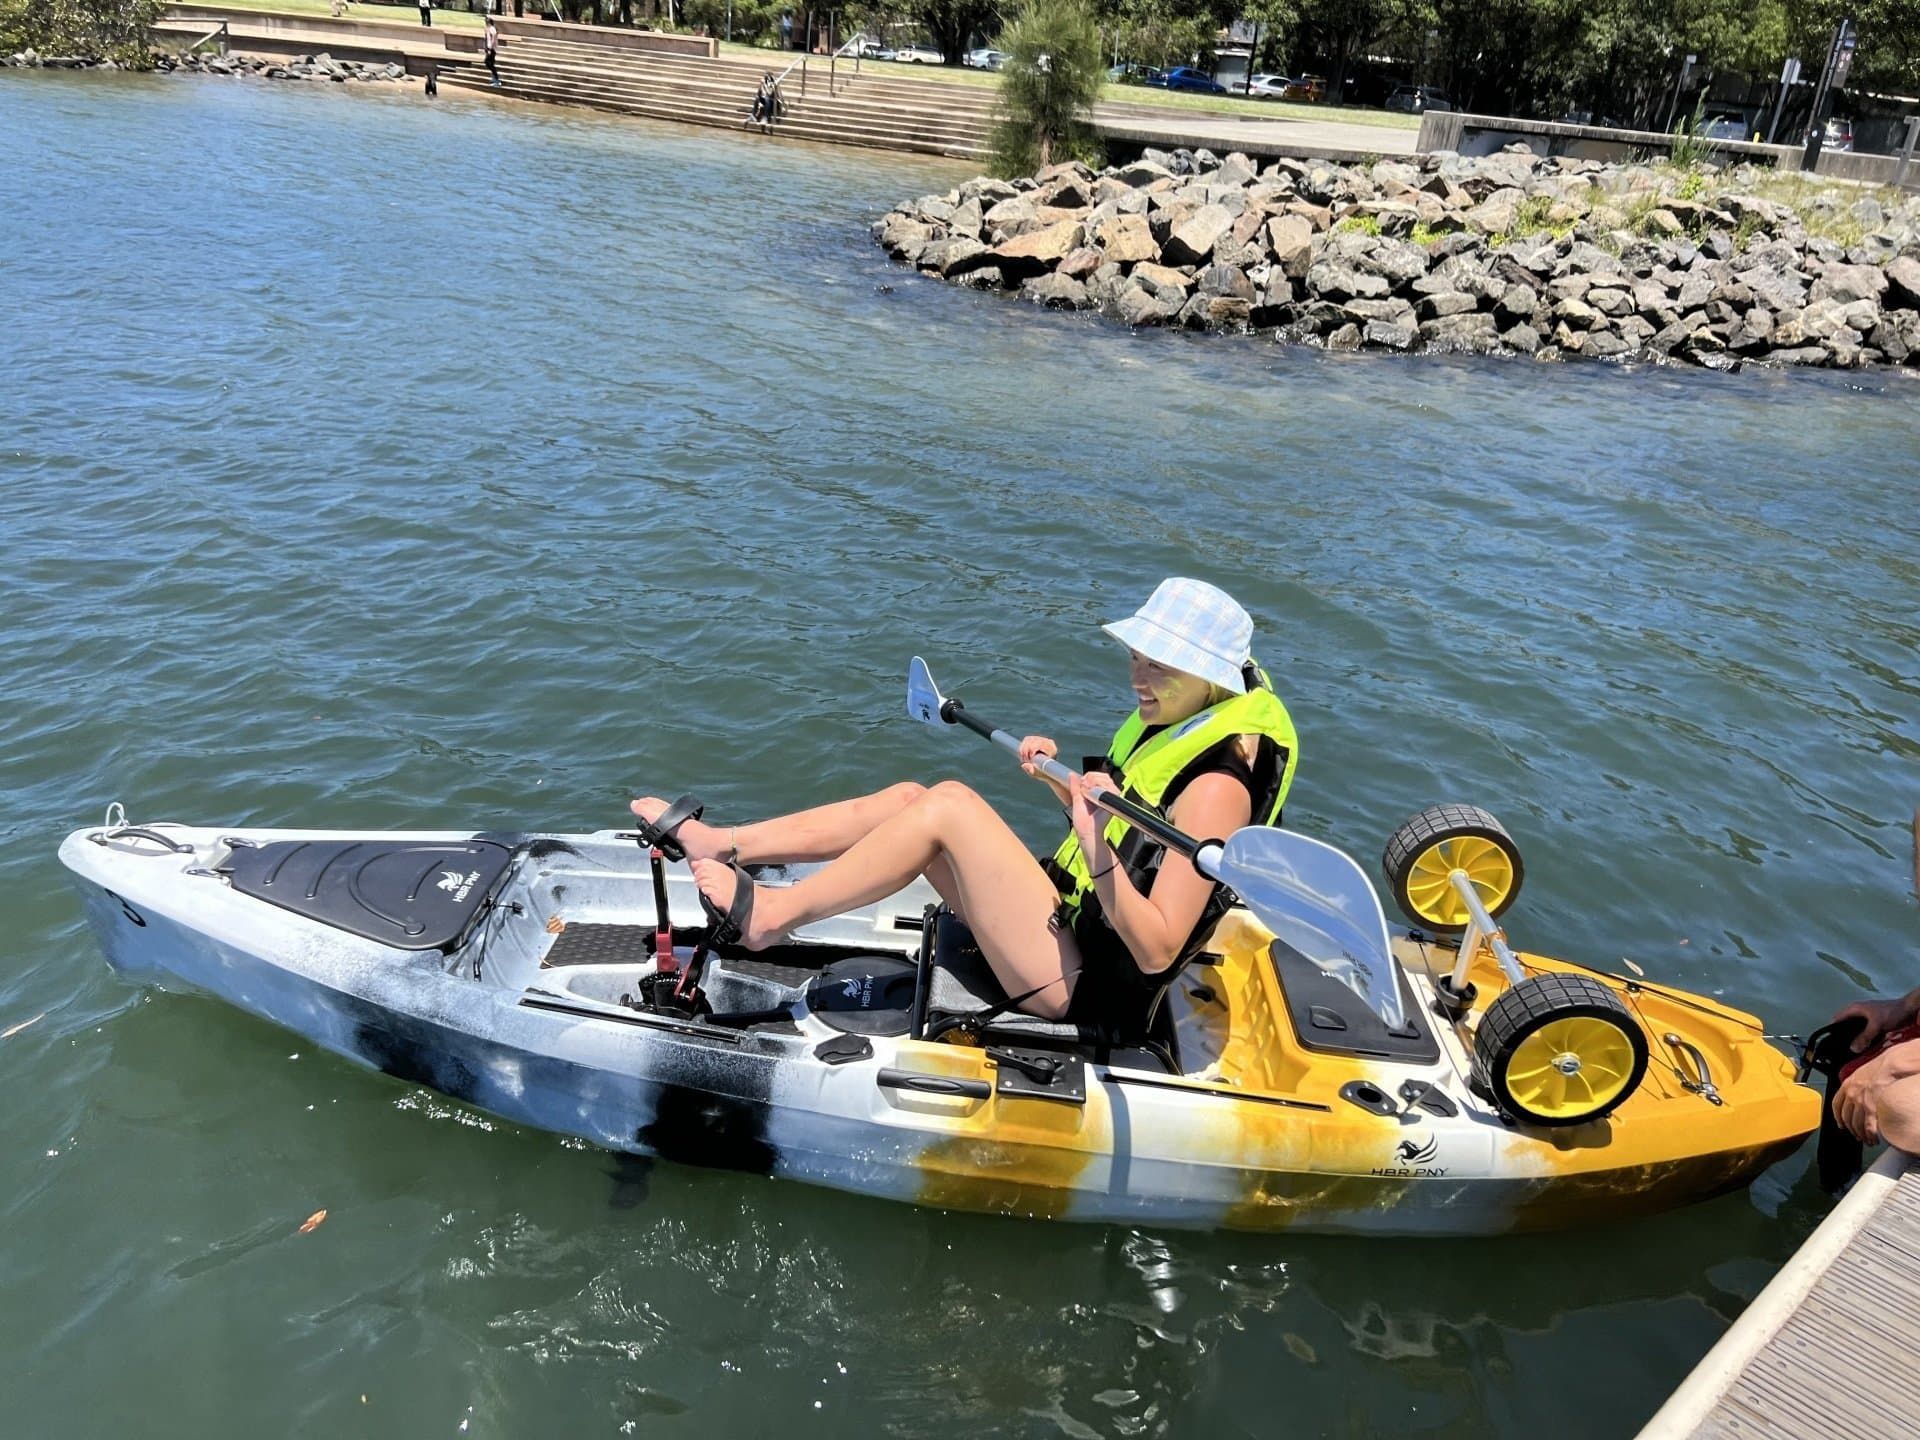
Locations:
{"points": [[1486, 134], [655, 41]]}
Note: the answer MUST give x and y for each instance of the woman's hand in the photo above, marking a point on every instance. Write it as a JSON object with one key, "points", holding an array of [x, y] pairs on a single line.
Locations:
{"points": [[1090, 823], [1880, 1015], [1037, 747]]}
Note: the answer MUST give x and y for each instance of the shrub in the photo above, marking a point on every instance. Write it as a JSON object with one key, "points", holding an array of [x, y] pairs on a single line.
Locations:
{"points": [[118, 30], [1052, 76]]}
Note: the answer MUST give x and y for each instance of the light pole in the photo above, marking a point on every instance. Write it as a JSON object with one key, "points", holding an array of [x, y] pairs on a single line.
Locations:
{"points": [[1044, 64]]}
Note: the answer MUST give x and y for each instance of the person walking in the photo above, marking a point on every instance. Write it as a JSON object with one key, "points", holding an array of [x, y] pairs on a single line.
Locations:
{"points": [[492, 42], [426, 13]]}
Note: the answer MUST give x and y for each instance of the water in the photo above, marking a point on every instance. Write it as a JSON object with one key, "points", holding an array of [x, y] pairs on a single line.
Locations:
{"points": [[372, 463]]}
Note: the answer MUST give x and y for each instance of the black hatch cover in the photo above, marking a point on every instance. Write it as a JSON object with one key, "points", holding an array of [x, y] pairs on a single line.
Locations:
{"points": [[410, 894]]}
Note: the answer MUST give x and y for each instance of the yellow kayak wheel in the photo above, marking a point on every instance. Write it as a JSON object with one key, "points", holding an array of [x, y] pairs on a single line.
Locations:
{"points": [[1559, 1050], [1423, 854]]}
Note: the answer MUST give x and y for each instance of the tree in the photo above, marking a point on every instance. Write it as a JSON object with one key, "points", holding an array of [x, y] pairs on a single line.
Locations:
{"points": [[954, 23], [119, 30], [1052, 76]]}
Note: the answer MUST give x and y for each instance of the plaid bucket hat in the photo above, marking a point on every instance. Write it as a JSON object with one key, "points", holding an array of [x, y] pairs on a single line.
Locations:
{"points": [[1194, 627]]}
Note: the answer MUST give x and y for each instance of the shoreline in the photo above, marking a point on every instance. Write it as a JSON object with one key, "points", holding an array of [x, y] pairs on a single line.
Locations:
{"points": [[1502, 254]]}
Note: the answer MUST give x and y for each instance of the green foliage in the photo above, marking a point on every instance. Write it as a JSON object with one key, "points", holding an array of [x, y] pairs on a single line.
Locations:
{"points": [[1360, 224], [1043, 108], [1690, 149], [1692, 184], [753, 20], [118, 30]]}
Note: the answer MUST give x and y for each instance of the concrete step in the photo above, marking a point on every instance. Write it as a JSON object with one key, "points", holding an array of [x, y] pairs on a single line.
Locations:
{"points": [[560, 89], [844, 109], [699, 94], [946, 97]]}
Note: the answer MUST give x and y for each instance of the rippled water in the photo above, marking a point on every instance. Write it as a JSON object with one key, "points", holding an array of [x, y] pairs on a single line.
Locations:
{"points": [[373, 463]]}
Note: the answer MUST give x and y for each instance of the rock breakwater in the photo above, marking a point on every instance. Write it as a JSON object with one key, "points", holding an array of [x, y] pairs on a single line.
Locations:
{"points": [[1508, 253], [297, 67]]}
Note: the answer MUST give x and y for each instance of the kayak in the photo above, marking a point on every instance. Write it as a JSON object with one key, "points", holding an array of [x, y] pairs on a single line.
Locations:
{"points": [[565, 982]]}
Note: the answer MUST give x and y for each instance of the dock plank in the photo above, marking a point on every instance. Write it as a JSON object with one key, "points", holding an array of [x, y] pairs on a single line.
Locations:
{"points": [[1829, 1347]]}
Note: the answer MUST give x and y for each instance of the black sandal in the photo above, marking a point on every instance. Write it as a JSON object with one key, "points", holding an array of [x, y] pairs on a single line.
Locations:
{"points": [[729, 926], [658, 832]]}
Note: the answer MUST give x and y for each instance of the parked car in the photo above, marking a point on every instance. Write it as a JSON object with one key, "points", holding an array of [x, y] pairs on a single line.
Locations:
{"points": [[1185, 77], [918, 54], [1724, 127], [984, 59], [1416, 99], [871, 49], [1131, 73], [1269, 87], [1306, 87], [1839, 134]]}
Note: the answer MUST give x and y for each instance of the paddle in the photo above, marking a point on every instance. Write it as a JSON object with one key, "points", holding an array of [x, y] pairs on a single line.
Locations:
{"points": [[1309, 894]]}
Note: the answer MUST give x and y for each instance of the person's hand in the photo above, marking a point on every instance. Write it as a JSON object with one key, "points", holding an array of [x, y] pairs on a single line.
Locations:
{"points": [[1856, 1105], [1090, 824], [1880, 1015], [1032, 748]]}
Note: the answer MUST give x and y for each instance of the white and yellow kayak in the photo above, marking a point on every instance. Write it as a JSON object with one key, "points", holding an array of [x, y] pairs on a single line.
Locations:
{"points": [[872, 1053]]}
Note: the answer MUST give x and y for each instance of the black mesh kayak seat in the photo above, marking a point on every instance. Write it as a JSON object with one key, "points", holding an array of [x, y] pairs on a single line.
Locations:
{"points": [[410, 894], [960, 992]]}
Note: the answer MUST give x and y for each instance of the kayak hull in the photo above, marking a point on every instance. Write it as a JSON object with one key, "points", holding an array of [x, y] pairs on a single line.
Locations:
{"points": [[1229, 1143]]}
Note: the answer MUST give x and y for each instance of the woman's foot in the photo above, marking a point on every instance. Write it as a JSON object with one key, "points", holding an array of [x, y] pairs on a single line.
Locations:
{"points": [[699, 840], [720, 883]]}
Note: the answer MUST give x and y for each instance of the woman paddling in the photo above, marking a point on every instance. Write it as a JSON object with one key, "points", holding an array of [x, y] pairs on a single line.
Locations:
{"points": [[1209, 743]]}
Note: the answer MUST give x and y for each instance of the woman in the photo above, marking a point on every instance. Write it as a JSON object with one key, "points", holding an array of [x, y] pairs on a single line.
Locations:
{"points": [[1089, 935]]}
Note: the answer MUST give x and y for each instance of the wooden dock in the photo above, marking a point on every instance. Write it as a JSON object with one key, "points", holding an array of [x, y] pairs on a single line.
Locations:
{"points": [[1830, 1347]]}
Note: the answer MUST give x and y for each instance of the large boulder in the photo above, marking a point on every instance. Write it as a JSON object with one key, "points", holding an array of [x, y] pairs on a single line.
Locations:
{"points": [[1041, 249], [1473, 334], [1163, 280], [1139, 306], [1290, 237], [1337, 280], [1903, 283], [954, 257], [1225, 280], [1056, 291], [1126, 239], [1081, 263], [1191, 242], [1847, 283]]}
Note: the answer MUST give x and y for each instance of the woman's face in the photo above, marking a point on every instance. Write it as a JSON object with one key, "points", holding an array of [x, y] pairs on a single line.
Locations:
{"points": [[1166, 696]]}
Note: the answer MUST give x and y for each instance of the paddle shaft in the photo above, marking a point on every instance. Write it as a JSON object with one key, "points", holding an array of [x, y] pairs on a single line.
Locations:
{"points": [[1201, 852]]}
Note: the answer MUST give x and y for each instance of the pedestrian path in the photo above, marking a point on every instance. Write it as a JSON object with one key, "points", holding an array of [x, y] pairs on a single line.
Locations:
{"points": [[1829, 1347]]}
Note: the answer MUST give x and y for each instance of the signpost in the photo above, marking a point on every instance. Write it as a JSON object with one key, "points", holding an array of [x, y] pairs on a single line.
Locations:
{"points": [[1839, 62], [1789, 77]]}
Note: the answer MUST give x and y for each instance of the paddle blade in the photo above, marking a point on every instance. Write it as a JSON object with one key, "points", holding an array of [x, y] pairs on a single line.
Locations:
{"points": [[924, 700], [1317, 900]]}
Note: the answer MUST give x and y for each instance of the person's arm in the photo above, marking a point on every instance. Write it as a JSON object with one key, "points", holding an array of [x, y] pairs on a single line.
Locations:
{"points": [[1154, 926], [1880, 1015], [1881, 1100]]}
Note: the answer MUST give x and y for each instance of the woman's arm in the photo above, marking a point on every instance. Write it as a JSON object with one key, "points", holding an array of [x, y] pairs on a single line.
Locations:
{"points": [[1155, 925]]}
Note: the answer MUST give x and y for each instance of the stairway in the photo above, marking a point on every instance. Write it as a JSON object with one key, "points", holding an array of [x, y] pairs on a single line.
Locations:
{"points": [[880, 111]]}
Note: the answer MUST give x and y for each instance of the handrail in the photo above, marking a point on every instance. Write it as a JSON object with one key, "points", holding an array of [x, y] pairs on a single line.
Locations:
{"points": [[220, 30], [801, 64]]}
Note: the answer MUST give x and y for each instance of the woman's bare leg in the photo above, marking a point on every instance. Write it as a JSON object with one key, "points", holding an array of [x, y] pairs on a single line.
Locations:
{"points": [[976, 862], [817, 834]]}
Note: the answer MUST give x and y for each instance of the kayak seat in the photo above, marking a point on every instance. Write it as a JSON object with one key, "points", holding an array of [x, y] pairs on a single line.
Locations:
{"points": [[958, 991]]}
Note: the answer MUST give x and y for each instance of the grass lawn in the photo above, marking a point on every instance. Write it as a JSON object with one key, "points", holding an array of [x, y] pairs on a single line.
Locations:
{"points": [[1131, 94]]}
